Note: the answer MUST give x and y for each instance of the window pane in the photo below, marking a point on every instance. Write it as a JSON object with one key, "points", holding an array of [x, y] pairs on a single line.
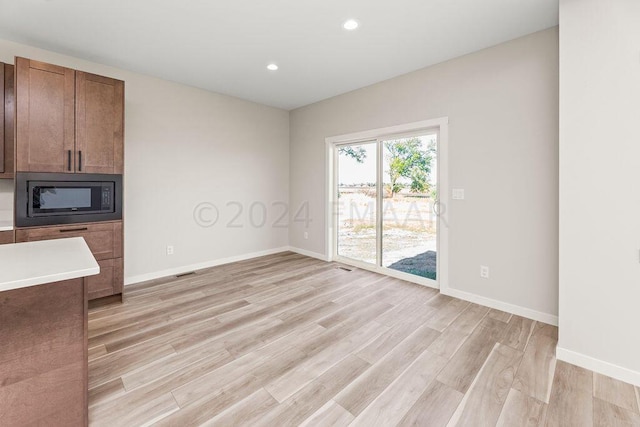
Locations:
{"points": [[409, 235], [357, 201]]}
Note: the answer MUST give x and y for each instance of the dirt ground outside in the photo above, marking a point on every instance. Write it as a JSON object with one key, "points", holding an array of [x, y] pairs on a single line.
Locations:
{"points": [[409, 230]]}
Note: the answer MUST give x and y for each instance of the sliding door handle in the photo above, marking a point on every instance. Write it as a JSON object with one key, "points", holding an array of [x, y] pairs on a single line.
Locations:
{"points": [[69, 160], [80, 161], [436, 207]]}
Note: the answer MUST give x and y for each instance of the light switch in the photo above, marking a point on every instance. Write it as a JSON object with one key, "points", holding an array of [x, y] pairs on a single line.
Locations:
{"points": [[458, 194]]}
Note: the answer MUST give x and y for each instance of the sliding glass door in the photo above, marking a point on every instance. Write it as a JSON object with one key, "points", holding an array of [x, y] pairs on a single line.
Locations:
{"points": [[387, 202], [357, 201], [409, 225]]}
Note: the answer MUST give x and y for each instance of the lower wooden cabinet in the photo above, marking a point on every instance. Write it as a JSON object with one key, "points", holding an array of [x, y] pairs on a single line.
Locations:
{"points": [[6, 237], [103, 238], [105, 241], [109, 281]]}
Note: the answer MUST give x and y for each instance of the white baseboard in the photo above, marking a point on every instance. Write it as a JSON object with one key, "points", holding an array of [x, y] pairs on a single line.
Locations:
{"points": [[599, 366], [199, 266], [504, 306], [487, 302], [311, 254]]}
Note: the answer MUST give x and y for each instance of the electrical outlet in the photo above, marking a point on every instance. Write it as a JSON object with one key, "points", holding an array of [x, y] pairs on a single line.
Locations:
{"points": [[169, 250], [306, 235], [484, 271]]}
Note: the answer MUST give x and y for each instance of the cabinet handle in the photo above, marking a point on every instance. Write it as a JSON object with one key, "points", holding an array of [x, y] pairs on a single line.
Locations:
{"points": [[69, 160], [80, 161], [70, 230]]}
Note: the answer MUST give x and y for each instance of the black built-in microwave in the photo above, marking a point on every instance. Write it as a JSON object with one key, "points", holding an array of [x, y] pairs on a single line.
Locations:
{"points": [[59, 198]]}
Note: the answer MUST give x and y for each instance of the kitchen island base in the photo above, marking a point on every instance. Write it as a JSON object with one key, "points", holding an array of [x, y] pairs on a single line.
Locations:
{"points": [[43, 355]]}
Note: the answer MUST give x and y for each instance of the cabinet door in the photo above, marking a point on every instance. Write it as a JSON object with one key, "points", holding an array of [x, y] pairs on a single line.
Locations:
{"points": [[109, 281], [9, 115], [99, 124], [45, 99], [2, 142]]}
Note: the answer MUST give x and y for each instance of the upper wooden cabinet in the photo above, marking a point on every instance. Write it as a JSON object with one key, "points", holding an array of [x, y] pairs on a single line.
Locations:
{"points": [[45, 110], [67, 121], [99, 123], [2, 154], [7, 115]]}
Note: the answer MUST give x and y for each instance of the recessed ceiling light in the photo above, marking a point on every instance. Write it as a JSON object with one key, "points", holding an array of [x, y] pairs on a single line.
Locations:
{"points": [[350, 25], [272, 67]]}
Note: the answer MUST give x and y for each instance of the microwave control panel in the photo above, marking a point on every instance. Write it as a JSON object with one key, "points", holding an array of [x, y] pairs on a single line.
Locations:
{"points": [[106, 197]]}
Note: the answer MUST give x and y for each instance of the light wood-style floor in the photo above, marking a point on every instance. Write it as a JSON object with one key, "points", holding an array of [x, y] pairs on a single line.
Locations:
{"points": [[289, 340]]}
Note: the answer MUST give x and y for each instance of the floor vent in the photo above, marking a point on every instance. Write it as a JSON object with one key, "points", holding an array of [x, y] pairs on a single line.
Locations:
{"points": [[345, 269], [191, 273]]}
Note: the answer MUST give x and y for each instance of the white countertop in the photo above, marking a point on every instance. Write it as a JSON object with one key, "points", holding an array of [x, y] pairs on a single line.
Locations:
{"points": [[35, 263]]}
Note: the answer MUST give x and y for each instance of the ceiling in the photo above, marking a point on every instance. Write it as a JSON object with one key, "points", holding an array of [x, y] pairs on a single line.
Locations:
{"points": [[225, 45]]}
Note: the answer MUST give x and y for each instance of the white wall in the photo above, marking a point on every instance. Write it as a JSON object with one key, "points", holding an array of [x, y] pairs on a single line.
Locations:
{"points": [[6, 201], [502, 105], [184, 146], [599, 182]]}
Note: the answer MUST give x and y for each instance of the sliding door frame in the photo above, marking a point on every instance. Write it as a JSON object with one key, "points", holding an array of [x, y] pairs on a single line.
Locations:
{"points": [[440, 126]]}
